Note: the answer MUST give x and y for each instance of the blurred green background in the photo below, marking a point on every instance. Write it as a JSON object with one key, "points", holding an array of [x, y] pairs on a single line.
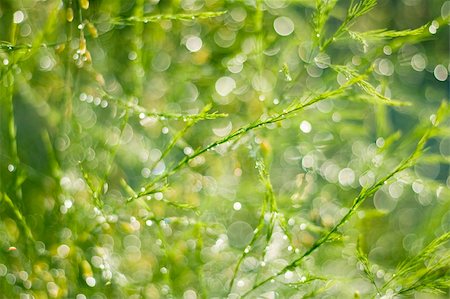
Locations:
{"points": [[82, 83]]}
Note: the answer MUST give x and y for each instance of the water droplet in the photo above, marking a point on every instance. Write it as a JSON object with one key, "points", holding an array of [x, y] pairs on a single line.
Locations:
{"points": [[380, 142], [159, 196], [132, 55], [188, 150], [145, 172], [225, 85], [90, 281], [305, 127], [18, 17], [288, 274], [237, 206], [283, 26], [440, 72], [63, 251], [346, 176], [11, 168], [104, 104], [418, 62], [417, 186], [194, 43], [165, 130]]}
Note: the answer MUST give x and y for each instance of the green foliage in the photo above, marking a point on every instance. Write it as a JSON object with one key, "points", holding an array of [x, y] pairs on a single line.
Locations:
{"points": [[224, 149]]}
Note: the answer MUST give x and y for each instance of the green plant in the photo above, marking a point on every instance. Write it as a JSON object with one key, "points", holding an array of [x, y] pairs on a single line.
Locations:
{"points": [[210, 149]]}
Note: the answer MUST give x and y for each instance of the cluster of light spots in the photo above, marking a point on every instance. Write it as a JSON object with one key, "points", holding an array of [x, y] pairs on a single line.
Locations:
{"points": [[225, 37], [305, 126], [18, 17], [134, 223], [97, 101], [225, 85], [440, 72], [237, 206], [283, 26], [322, 60], [433, 27], [384, 67], [367, 180], [384, 202], [220, 244], [194, 43], [314, 71], [236, 64]]}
